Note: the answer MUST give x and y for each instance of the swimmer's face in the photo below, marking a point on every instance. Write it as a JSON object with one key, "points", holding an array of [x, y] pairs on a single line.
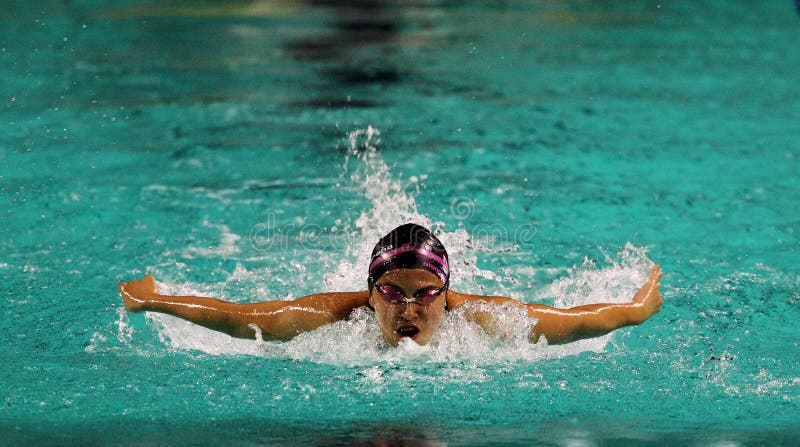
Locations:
{"points": [[415, 320]]}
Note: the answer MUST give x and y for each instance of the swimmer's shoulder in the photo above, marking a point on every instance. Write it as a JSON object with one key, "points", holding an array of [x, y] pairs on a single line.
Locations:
{"points": [[339, 304]]}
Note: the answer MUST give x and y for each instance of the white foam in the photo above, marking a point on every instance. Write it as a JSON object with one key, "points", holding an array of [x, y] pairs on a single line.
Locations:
{"points": [[615, 284], [358, 341]]}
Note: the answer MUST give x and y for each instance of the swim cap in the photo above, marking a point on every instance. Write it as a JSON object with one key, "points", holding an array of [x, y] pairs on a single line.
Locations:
{"points": [[409, 246]]}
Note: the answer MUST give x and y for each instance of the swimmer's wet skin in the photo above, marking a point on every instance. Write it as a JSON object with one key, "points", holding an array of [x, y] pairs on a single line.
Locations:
{"points": [[408, 288]]}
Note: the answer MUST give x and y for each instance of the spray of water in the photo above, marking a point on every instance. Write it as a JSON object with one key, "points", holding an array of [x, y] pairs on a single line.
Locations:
{"points": [[390, 205], [357, 341]]}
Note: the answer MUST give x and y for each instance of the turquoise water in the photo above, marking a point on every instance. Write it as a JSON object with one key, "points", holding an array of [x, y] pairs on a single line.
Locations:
{"points": [[255, 151]]}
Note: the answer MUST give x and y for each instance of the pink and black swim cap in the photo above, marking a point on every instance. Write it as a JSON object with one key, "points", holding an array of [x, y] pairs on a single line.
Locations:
{"points": [[409, 246]]}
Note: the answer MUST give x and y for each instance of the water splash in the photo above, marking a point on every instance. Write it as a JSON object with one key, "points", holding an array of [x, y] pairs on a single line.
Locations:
{"points": [[390, 205], [358, 341], [588, 284]]}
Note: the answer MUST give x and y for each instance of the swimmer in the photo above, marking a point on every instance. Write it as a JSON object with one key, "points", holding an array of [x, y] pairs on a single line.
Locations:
{"points": [[408, 287]]}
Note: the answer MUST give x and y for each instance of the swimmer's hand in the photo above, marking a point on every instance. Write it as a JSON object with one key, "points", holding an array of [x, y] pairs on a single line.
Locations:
{"points": [[648, 299], [136, 293]]}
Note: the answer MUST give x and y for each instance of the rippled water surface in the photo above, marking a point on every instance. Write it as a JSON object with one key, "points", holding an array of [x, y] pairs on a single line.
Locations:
{"points": [[256, 150]]}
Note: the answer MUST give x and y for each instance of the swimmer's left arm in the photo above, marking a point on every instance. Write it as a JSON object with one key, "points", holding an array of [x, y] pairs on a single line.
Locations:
{"points": [[593, 320], [567, 325]]}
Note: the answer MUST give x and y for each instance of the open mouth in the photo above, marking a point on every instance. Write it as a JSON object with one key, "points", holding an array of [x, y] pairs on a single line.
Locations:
{"points": [[407, 331]]}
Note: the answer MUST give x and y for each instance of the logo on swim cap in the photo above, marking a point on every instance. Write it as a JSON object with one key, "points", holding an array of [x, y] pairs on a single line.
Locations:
{"points": [[382, 251]]}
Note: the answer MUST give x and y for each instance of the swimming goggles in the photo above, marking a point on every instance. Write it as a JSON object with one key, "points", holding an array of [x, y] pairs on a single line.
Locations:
{"points": [[393, 295]]}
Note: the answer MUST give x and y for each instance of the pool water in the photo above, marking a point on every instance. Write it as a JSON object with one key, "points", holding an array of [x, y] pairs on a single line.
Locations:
{"points": [[256, 151]]}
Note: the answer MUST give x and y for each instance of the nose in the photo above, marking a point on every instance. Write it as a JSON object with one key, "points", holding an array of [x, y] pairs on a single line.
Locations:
{"points": [[408, 310]]}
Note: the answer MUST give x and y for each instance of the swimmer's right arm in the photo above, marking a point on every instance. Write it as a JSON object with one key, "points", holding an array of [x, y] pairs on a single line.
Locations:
{"points": [[276, 320]]}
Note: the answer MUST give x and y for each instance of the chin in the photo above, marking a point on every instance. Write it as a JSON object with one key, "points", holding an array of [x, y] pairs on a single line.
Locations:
{"points": [[422, 341], [395, 340]]}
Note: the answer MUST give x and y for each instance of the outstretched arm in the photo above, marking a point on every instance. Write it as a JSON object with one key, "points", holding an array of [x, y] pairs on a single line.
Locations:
{"points": [[576, 323], [594, 320], [277, 320]]}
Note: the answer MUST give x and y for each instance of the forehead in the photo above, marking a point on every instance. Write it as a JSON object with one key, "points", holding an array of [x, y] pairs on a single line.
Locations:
{"points": [[410, 277]]}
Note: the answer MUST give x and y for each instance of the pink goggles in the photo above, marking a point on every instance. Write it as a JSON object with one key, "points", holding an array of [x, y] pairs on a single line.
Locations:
{"points": [[425, 296]]}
